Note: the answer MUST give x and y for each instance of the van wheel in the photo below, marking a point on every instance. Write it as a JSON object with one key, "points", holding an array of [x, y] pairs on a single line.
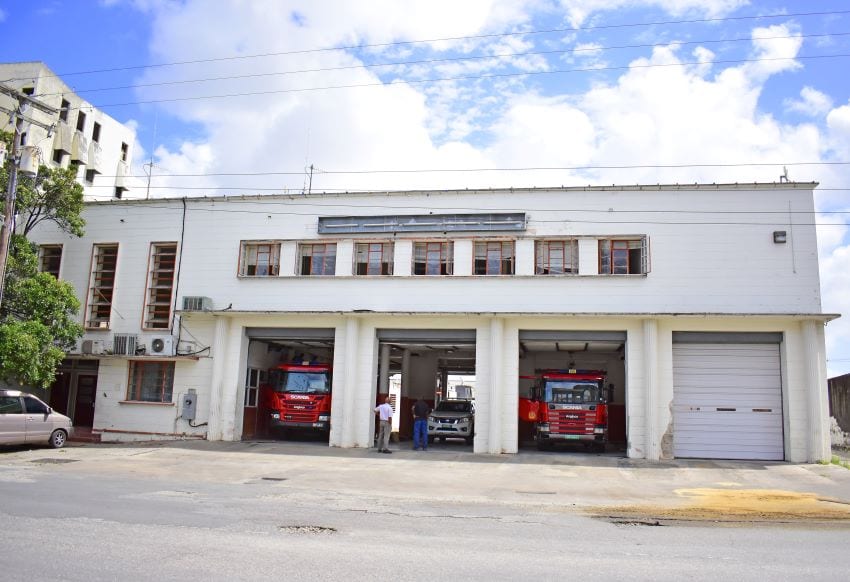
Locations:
{"points": [[58, 439]]}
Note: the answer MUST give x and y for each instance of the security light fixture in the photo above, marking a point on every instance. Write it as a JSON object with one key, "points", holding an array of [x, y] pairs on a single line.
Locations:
{"points": [[780, 236]]}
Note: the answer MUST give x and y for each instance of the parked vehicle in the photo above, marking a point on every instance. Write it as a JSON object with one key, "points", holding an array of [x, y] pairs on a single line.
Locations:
{"points": [[26, 419], [567, 406], [298, 397], [452, 419]]}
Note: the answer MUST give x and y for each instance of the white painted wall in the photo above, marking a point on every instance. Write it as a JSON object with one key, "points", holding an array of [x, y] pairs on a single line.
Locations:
{"points": [[733, 276]]}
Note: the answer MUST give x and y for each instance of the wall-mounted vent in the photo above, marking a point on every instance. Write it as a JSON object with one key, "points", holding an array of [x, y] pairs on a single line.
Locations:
{"points": [[124, 344], [197, 303]]}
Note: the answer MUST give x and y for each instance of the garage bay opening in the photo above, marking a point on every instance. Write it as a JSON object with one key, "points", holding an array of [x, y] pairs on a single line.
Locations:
{"points": [[572, 390], [437, 366], [288, 384]]}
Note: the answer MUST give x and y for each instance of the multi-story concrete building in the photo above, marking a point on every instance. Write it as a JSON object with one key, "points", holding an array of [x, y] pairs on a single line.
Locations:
{"points": [[82, 136], [702, 303]]}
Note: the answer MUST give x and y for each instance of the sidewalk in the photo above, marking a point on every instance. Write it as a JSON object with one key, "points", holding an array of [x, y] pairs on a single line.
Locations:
{"points": [[601, 485]]}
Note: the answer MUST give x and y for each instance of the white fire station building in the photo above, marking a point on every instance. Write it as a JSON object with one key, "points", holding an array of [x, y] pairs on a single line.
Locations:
{"points": [[701, 302]]}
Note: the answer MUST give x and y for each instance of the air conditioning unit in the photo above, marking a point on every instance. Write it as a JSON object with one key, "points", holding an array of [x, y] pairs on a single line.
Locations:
{"points": [[91, 347], [124, 344], [197, 303], [161, 346]]}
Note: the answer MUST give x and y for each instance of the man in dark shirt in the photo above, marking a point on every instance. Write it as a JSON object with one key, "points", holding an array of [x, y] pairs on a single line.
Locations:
{"points": [[421, 410]]}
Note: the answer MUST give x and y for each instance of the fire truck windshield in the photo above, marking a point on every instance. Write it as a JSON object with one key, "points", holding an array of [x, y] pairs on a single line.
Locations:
{"points": [[571, 392], [304, 382]]}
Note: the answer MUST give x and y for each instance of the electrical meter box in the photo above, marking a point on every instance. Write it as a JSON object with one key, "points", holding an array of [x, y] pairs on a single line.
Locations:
{"points": [[190, 401]]}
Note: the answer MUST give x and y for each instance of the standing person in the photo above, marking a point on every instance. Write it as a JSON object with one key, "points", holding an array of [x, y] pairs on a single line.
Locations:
{"points": [[385, 416], [421, 410]]}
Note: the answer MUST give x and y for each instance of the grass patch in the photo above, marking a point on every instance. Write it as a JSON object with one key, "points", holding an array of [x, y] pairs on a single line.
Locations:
{"points": [[836, 460]]}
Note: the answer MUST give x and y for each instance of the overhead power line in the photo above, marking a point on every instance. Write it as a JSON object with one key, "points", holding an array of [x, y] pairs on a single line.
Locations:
{"points": [[298, 200], [225, 208], [458, 38], [509, 169], [463, 78], [442, 60]]}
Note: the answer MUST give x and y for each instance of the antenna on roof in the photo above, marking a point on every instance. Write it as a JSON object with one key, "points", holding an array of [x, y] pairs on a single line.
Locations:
{"points": [[784, 177]]}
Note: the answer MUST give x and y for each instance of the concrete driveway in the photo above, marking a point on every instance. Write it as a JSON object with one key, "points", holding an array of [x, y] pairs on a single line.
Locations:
{"points": [[604, 486]]}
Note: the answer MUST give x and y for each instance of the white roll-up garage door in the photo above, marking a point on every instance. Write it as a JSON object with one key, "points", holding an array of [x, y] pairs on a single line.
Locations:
{"points": [[727, 401]]}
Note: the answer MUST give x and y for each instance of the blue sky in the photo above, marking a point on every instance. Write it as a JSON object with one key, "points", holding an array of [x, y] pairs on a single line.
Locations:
{"points": [[499, 84]]}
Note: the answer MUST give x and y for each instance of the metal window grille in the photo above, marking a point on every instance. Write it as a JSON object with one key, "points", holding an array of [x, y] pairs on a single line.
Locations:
{"points": [[373, 259], [433, 258], [556, 257], [494, 258], [161, 269], [623, 256], [101, 285], [260, 259], [151, 381], [318, 259]]}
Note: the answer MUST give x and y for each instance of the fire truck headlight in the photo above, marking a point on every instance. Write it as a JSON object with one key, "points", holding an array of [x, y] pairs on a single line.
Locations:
{"points": [[324, 417], [543, 427], [276, 415], [598, 430]]}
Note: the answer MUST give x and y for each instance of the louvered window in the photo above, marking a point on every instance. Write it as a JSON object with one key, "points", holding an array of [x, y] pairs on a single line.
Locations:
{"points": [[101, 286], [158, 300]]}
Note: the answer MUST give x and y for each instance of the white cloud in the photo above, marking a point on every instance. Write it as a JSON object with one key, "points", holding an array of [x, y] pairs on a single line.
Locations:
{"points": [[812, 102], [658, 112], [579, 10], [3, 15]]}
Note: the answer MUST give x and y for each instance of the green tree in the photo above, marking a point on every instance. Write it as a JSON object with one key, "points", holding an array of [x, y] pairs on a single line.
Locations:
{"points": [[38, 313]]}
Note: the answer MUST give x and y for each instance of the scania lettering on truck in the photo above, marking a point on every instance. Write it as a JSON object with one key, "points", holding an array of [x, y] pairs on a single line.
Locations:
{"points": [[567, 406], [299, 397]]}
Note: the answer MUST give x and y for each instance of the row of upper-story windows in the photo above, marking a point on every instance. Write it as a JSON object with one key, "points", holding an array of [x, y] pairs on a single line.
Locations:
{"points": [[262, 259], [627, 256]]}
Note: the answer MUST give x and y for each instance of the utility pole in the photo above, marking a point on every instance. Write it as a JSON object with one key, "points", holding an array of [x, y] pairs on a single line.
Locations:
{"points": [[19, 115]]}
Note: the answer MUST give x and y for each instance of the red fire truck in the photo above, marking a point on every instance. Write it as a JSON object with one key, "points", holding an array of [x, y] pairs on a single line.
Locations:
{"points": [[567, 406], [298, 397]]}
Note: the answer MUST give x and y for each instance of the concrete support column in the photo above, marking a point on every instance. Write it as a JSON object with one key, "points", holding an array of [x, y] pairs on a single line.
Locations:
{"points": [[384, 370], [818, 441], [496, 387], [650, 377], [349, 384], [222, 328], [236, 349]]}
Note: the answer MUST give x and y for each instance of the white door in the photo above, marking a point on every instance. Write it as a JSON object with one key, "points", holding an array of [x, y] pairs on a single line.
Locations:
{"points": [[727, 401]]}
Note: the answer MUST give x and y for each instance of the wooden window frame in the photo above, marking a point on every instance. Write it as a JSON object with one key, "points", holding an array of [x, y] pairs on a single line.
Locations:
{"points": [[252, 249], [543, 256], [42, 255], [625, 247], [95, 290], [135, 379], [312, 247], [380, 251], [489, 246], [159, 280], [444, 250]]}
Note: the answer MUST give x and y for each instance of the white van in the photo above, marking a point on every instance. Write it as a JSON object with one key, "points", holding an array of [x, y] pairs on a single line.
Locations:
{"points": [[26, 419]]}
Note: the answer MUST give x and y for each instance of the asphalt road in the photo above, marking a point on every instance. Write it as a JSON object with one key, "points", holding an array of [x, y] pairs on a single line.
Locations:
{"points": [[144, 514]]}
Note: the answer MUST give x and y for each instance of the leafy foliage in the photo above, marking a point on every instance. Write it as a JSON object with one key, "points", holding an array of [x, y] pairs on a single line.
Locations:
{"points": [[38, 313], [53, 196]]}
